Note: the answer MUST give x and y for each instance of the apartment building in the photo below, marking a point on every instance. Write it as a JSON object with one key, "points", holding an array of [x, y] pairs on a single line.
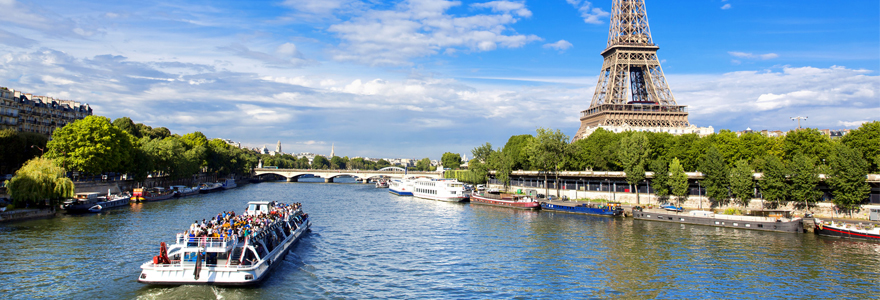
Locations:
{"points": [[25, 112]]}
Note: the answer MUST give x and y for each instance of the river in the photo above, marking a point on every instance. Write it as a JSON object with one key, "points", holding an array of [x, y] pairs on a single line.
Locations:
{"points": [[368, 243]]}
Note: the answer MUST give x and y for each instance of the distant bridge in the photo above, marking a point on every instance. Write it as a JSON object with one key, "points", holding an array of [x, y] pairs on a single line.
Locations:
{"points": [[293, 175]]}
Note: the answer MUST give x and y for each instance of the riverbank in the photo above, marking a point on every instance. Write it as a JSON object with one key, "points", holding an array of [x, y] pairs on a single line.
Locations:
{"points": [[821, 209], [26, 214]]}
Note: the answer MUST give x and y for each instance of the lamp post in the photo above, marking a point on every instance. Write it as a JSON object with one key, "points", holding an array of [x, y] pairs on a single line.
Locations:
{"points": [[609, 188], [41, 149], [700, 194]]}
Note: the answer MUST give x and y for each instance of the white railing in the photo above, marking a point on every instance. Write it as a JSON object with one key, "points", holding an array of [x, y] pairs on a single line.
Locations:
{"points": [[207, 242]]}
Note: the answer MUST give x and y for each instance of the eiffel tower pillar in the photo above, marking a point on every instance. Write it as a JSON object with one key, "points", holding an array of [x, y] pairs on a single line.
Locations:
{"points": [[632, 90]]}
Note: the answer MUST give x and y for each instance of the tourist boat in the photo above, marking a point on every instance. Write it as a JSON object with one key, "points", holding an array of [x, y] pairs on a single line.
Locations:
{"points": [[229, 184], [183, 191], [450, 190], [382, 183], [81, 202], [401, 187], [847, 230], [506, 200], [610, 209], [210, 187], [151, 194], [233, 260], [780, 221]]}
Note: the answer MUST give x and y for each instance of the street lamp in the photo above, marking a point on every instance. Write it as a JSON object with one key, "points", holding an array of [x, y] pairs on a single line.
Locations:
{"points": [[700, 194], [41, 149], [609, 188]]}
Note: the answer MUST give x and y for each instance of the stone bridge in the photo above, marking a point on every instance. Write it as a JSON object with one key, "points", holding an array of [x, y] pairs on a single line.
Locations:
{"points": [[293, 175]]}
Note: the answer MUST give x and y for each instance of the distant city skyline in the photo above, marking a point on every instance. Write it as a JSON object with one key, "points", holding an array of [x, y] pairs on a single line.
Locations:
{"points": [[419, 78]]}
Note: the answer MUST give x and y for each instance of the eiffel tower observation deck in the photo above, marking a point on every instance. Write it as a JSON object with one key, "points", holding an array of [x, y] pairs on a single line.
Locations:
{"points": [[632, 93]]}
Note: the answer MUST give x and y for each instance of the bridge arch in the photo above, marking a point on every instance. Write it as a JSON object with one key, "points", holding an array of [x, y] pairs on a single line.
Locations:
{"points": [[392, 168]]}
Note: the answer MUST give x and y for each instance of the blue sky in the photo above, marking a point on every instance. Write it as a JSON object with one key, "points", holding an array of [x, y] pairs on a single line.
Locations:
{"points": [[419, 78]]}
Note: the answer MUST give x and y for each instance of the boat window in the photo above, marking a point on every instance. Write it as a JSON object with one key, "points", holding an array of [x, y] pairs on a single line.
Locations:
{"points": [[253, 207], [760, 225]]}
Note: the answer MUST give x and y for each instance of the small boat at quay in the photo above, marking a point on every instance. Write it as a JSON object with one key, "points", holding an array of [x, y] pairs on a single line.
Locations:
{"points": [[847, 230], [780, 221], [210, 187], [228, 252], [505, 200], [449, 190], [382, 184], [91, 202], [228, 184], [151, 194], [610, 209], [183, 191], [401, 187]]}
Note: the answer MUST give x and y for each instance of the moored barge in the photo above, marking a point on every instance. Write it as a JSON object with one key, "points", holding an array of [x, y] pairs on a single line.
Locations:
{"points": [[782, 222], [241, 256], [845, 230], [505, 200], [611, 209]]}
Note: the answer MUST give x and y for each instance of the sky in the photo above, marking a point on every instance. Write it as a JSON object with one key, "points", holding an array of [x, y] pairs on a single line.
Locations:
{"points": [[418, 78]]}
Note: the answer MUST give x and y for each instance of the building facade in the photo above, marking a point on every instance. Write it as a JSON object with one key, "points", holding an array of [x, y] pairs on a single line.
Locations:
{"points": [[24, 112]]}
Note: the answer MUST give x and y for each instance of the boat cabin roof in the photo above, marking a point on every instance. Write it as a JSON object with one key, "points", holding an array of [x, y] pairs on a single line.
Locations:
{"points": [[89, 195]]}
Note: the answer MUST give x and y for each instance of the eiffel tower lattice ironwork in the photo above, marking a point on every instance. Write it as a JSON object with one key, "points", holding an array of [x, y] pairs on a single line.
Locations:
{"points": [[632, 90]]}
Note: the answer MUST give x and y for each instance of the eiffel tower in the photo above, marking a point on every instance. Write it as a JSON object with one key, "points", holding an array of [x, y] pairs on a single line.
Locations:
{"points": [[632, 90]]}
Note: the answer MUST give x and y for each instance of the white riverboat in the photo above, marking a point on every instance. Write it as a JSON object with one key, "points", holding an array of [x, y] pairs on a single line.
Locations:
{"points": [[233, 259], [401, 187], [450, 190]]}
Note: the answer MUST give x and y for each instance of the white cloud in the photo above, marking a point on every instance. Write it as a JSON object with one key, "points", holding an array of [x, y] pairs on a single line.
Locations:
{"points": [[591, 15], [419, 28], [561, 45], [726, 6], [506, 6], [752, 55], [853, 124]]}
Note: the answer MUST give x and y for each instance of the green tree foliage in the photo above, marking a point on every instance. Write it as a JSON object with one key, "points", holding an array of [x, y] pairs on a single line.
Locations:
{"points": [[482, 153], [92, 145], [501, 162], [634, 153], [128, 125], [660, 182], [516, 149], [596, 152], [742, 184], [847, 177], [479, 169], [678, 181], [16, 148], [774, 185], [169, 156], [714, 175], [451, 160], [688, 148], [382, 163], [804, 179], [866, 139], [337, 163], [320, 162], [424, 164], [548, 151], [38, 180], [808, 141]]}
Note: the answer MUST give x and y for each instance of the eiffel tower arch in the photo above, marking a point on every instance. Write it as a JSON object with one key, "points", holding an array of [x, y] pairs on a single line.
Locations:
{"points": [[632, 92]]}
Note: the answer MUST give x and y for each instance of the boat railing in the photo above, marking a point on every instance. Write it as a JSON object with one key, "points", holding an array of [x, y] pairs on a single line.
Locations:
{"points": [[204, 242]]}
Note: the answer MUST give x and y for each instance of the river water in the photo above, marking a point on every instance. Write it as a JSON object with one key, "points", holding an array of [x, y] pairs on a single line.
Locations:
{"points": [[367, 243]]}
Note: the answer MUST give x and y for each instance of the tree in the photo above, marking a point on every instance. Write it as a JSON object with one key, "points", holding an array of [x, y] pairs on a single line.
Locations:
{"points": [[337, 163], [774, 187], [660, 182], [424, 164], [634, 152], [482, 153], [548, 152], [804, 179], [866, 139], [501, 162], [847, 177], [382, 163], [808, 141], [38, 180], [714, 175], [127, 125], [678, 180], [742, 185], [517, 151], [320, 162], [92, 145], [451, 160]]}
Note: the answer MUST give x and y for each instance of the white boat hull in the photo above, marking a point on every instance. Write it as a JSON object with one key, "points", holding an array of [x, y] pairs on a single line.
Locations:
{"points": [[184, 274]]}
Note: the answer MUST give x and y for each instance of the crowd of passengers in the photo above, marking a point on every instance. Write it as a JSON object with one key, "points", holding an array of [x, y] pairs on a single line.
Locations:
{"points": [[229, 226]]}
